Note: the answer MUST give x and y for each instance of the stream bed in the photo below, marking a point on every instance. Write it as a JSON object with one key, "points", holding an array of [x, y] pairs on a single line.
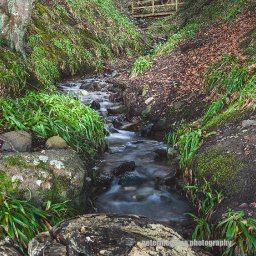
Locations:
{"points": [[131, 171]]}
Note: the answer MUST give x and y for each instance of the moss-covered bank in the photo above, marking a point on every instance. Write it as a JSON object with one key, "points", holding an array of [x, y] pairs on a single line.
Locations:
{"points": [[65, 38]]}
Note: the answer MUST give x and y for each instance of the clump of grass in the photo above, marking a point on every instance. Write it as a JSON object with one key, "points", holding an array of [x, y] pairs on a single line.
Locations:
{"points": [[206, 201], [21, 221], [140, 66], [240, 230], [56, 114]]}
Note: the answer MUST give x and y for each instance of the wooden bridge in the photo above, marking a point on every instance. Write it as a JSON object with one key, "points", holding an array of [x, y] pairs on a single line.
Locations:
{"points": [[151, 8]]}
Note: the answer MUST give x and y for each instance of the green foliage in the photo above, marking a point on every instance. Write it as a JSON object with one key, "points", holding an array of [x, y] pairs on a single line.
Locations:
{"points": [[21, 221], [206, 201], [57, 114], [239, 229], [66, 38], [140, 66]]}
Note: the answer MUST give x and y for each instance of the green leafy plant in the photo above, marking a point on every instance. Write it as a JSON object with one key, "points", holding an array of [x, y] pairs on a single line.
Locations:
{"points": [[56, 114], [21, 221], [205, 200], [239, 229], [140, 66]]}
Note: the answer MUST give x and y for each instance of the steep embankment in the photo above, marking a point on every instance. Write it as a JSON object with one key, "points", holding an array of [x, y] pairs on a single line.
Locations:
{"points": [[56, 38], [200, 86]]}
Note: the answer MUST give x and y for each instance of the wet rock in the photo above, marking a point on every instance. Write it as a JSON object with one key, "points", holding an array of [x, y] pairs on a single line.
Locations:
{"points": [[95, 105], [102, 85], [116, 110], [95, 234], [56, 142], [130, 179], [130, 126], [127, 166], [7, 249], [248, 123], [161, 154], [170, 179], [147, 130], [83, 92], [104, 180], [19, 141], [48, 175]]}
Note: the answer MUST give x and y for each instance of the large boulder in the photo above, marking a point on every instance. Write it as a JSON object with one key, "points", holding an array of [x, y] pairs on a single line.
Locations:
{"points": [[16, 141], [7, 249], [55, 175], [15, 15], [100, 234]]}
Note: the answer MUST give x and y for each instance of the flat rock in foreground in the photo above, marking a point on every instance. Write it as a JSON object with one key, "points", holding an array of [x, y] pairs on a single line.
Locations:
{"points": [[100, 234]]}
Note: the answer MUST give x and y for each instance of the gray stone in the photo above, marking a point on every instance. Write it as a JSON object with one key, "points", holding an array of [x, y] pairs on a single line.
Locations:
{"points": [[97, 234], [7, 249], [16, 141], [149, 100], [248, 123], [56, 142], [14, 17], [127, 166], [95, 105], [116, 110], [50, 174]]}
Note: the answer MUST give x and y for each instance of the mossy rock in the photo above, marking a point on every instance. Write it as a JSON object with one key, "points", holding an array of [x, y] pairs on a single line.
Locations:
{"points": [[55, 175], [220, 168]]}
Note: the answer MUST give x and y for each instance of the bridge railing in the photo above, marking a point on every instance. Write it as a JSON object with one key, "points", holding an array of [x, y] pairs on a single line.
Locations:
{"points": [[147, 8]]}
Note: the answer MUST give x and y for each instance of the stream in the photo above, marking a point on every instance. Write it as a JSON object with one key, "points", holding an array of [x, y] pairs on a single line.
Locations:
{"points": [[132, 171]]}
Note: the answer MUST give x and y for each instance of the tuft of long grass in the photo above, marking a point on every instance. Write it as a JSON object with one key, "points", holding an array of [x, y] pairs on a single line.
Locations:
{"points": [[56, 114], [21, 221]]}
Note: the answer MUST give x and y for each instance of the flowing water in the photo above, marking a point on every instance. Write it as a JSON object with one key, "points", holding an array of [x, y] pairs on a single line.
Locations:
{"points": [[137, 191]]}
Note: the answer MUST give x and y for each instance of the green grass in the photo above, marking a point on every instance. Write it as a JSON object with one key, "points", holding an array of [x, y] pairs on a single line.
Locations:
{"points": [[21, 221], [234, 87], [140, 66], [57, 114], [67, 38], [241, 230]]}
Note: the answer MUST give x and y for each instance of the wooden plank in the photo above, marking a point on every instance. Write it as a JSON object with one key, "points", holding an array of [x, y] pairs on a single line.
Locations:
{"points": [[152, 15], [156, 6]]}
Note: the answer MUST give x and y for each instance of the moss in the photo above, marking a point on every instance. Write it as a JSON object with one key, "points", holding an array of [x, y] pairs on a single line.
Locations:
{"points": [[220, 168], [6, 185], [18, 161], [66, 38]]}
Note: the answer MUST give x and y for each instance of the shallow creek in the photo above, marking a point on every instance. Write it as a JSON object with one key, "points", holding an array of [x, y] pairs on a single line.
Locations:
{"points": [[139, 190]]}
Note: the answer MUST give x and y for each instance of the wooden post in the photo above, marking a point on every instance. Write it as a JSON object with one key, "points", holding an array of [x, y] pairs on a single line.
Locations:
{"points": [[176, 5], [153, 7]]}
